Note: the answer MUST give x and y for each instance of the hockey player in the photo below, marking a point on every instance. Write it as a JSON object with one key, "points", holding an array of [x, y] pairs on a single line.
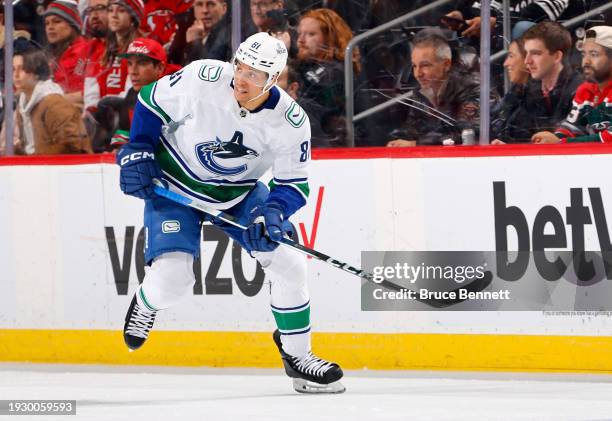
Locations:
{"points": [[211, 131]]}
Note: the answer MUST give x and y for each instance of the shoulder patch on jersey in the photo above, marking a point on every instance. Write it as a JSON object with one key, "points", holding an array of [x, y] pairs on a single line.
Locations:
{"points": [[210, 73], [295, 115]]}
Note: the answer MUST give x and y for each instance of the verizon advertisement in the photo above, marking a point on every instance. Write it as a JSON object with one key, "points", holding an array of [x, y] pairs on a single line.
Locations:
{"points": [[71, 247]]}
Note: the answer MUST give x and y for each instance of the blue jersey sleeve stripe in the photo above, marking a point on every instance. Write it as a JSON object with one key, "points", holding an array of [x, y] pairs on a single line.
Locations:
{"points": [[146, 125], [290, 180]]}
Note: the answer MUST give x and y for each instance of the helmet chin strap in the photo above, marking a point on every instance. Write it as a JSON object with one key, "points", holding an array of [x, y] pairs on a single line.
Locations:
{"points": [[257, 96], [266, 88]]}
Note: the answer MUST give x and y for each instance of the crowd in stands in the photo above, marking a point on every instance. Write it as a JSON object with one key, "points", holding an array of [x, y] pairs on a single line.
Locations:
{"points": [[79, 65]]}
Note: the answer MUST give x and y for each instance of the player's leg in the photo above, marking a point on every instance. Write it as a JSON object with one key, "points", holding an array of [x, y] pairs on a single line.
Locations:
{"points": [[289, 300], [172, 241]]}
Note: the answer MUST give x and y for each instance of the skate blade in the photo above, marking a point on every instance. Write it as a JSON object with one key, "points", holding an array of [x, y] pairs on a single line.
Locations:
{"points": [[304, 386]]}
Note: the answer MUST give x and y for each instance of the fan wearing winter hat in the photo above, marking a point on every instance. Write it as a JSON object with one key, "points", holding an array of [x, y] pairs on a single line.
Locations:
{"points": [[67, 48], [124, 18]]}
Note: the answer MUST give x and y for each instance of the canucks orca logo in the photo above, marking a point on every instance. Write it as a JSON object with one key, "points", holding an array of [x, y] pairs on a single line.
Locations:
{"points": [[211, 153]]}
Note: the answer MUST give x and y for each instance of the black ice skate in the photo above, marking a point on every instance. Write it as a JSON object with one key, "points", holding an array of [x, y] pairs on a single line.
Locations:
{"points": [[138, 323], [310, 373]]}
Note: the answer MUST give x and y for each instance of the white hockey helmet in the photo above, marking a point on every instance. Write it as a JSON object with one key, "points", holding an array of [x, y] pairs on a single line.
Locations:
{"points": [[263, 52]]}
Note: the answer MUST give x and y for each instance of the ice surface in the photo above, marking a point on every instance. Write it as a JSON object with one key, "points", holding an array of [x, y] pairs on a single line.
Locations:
{"points": [[151, 393]]}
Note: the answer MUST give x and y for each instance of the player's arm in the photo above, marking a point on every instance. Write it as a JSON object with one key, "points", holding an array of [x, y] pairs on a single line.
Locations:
{"points": [[156, 105], [288, 188], [137, 157]]}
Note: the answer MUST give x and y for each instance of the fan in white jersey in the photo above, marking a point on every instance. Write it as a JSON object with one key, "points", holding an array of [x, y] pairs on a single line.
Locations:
{"points": [[211, 130]]}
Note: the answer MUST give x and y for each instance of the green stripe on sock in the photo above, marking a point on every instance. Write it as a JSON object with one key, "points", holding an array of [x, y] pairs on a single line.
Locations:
{"points": [[292, 321], [144, 300]]}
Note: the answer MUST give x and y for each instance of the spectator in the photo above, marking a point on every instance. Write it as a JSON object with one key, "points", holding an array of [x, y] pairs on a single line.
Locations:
{"points": [[67, 48], [591, 114], [147, 62], [28, 16], [22, 39], [508, 125], [260, 14], [47, 121], [271, 16], [18, 34], [209, 37], [289, 81], [520, 11], [124, 18], [553, 82], [161, 17], [96, 29], [96, 20], [280, 29], [447, 99], [322, 40]]}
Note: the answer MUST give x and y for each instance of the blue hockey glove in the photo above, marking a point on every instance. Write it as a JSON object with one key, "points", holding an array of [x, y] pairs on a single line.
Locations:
{"points": [[266, 228], [138, 169]]}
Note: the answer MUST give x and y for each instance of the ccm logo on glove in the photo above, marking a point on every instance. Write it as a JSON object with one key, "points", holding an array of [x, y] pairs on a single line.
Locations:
{"points": [[138, 169], [136, 156]]}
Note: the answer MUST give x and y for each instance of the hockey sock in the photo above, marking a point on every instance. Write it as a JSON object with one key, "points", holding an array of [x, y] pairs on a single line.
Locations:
{"points": [[169, 279], [294, 326]]}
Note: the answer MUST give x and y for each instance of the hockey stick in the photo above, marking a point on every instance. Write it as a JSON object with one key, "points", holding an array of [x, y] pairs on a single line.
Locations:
{"points": [[477, 285]]}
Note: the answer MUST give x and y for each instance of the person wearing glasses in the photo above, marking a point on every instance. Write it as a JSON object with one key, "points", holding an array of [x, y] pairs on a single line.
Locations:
{"points": [[95, 21], [260, 13], [210, 131]]}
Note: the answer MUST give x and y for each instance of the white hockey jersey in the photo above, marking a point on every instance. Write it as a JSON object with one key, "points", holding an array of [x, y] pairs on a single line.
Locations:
{"points": [[215, 150]]}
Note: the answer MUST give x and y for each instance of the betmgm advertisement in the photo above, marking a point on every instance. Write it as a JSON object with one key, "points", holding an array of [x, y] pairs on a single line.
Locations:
{"points": [[548, 246]]}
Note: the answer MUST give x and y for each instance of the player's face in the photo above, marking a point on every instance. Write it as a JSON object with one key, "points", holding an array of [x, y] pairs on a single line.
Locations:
{"points": [[428, 69], [57, 29], [596, 65], [539, 60], [142, 71], [23, 81], [311, 41], [248, 82], [119, 19], [515, 65]]}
